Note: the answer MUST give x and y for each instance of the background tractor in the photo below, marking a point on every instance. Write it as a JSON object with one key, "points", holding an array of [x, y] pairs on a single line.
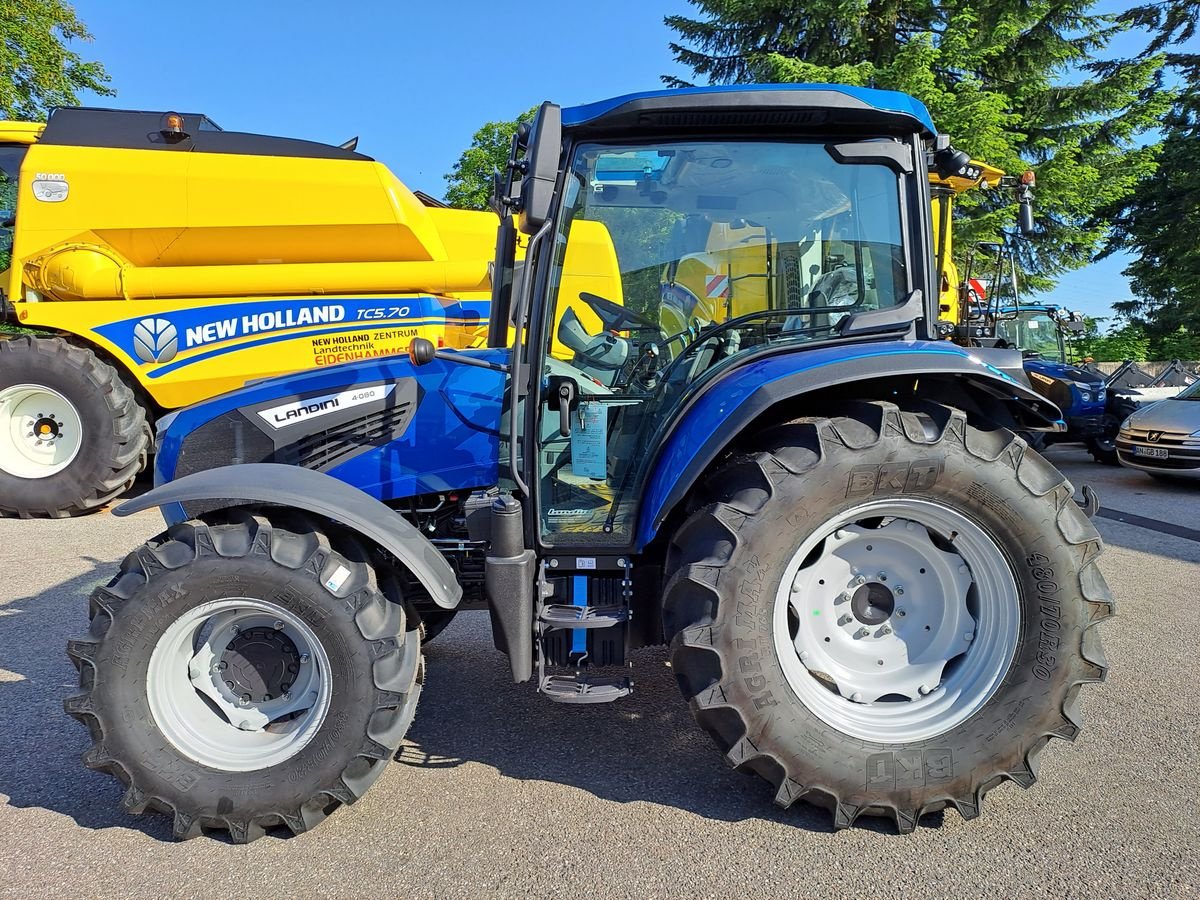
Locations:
{"points": [[876, 597]]}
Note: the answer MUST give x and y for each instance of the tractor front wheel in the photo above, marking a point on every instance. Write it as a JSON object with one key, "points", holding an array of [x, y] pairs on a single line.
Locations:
{"points": [[240, 677], [887, 613]]}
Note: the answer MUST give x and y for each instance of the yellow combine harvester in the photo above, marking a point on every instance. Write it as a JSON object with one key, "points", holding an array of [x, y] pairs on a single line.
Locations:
{"points": [[158, 261]]}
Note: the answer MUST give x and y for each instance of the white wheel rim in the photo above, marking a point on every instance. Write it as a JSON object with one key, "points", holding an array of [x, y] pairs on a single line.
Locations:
{"points": [[897, 620], [40, 431], [197, 699]]}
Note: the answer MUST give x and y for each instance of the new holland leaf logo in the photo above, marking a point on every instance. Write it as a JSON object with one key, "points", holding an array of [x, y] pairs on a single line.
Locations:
{"points": [[155, 340]]}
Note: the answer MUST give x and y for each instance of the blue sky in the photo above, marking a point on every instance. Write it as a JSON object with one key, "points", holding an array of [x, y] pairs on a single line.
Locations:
{"points": [[413, 80]]}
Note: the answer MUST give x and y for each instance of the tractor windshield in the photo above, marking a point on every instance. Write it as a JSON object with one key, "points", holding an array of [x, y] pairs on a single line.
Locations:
{"points": [[673, 260], [1033, 331], [686, 236]]}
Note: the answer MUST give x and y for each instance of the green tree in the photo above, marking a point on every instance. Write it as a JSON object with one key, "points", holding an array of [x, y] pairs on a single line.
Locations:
{"points": [[1121, 342], [38, 68], [469, 183], [1159, 223], [1016, 83]]}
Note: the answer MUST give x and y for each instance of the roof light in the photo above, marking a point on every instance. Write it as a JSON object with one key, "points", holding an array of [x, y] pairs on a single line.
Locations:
{"points": [[171, 127], [1028, 178]]}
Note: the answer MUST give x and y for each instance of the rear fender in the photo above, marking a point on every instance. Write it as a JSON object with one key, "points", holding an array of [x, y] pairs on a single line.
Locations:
{"points": [[318, 493], [725, 407]]}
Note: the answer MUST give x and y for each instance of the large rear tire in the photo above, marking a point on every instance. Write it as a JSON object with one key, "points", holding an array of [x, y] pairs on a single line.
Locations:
{"points": [[240, 677], [72, 434], [886, 613]]}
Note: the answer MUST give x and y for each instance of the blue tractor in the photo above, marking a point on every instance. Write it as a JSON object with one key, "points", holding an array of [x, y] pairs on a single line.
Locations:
{"points": [[1042, 331], [875, 596]]}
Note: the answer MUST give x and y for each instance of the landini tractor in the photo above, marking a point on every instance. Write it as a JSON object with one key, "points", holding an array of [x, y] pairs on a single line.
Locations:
{"points": [[875, 595]]}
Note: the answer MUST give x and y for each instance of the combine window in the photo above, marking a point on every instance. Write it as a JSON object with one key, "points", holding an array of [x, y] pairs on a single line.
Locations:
{"points": [[10, 168]]}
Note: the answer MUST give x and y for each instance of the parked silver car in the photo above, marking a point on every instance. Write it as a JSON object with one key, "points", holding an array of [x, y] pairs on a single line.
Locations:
{"points": [[1163, 438]]}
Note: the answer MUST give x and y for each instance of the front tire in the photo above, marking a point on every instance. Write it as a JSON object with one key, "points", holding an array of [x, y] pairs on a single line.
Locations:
{"points": [[790, 633], [240, 677], [72, 434]]}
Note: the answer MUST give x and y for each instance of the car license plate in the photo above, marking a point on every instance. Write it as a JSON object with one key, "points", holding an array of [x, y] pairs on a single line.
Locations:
{"points": [[1152, 452]]}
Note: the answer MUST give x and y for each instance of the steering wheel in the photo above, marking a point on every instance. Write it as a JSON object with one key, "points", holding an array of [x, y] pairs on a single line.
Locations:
{"points": [[615, 317]]}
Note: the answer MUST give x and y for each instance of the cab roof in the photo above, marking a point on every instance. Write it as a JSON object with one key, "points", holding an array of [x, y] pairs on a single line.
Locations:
{"points": [[780, 105]]}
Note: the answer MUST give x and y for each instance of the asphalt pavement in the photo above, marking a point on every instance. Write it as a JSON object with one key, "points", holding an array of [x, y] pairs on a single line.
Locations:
{"points": [[500, 792]]}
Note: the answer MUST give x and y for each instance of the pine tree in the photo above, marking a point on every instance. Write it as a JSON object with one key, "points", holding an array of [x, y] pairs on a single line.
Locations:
{"points": [[1018, 83], [1161, 220]]}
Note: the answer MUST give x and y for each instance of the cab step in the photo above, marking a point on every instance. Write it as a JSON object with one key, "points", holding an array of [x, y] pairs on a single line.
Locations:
{"points": [[580, 688], [561, 615]]}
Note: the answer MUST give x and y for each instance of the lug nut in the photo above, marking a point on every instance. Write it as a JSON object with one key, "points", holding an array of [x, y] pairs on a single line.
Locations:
{"points": [[235, 628], [861, 633], [857, 697], [842, 597], [900, 611], [244, 700], [882, 576], [899, 591], [860, 580], [804, 656], [303, 657], [925, 689], [969, 636], [846, 619], [885, 630], [963, 569], [278, 625]]}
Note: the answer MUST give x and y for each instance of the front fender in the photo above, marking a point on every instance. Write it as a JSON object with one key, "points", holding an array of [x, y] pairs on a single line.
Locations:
{"points": [[318, 493], [727, 405]]}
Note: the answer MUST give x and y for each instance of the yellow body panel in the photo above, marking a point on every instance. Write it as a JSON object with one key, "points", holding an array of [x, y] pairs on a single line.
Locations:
{"points": [[198, 272], [978, 175]]}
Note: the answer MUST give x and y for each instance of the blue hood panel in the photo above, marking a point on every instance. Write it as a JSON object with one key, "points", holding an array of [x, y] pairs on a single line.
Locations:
{"points": [[450, 443]]}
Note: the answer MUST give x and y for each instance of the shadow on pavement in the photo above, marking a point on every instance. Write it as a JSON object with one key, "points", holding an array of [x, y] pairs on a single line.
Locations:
{"points": [[41, 765], [645, 748]]}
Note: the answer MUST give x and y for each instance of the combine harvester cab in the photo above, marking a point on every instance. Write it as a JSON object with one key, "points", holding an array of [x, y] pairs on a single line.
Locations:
{"points": [[157, 260]]}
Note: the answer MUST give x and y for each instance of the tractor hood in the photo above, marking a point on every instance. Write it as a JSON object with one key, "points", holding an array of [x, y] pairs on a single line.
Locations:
{"points": [[384, 426]]}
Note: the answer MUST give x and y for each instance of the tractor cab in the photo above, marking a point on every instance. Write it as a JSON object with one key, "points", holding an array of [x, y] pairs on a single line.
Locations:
{"points": [[730, 246]]}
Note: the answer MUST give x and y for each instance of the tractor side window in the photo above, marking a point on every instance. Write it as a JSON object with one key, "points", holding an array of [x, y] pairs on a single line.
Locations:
{"points": [[670, 262]]}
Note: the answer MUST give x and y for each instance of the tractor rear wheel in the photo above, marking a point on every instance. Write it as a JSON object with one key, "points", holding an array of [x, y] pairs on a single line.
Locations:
{"points": [[241, 676], [72, 434], [886, 613]]}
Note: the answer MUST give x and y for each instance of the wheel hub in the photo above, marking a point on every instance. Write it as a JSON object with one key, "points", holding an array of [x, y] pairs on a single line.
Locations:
{"points": [[40, 431], [46, 429], [880, 614], [873, 603], [239, 684], [260, 664]]}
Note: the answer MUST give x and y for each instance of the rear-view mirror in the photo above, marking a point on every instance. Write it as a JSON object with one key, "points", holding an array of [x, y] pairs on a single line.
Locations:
{"points": [[537, 188]]}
